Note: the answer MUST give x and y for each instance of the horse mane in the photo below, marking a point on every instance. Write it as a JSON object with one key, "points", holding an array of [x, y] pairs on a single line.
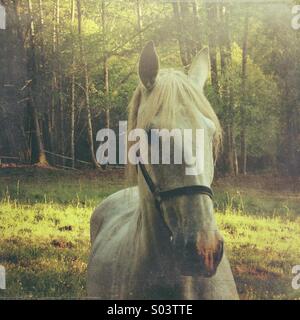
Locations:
{"points": [[172, 91]]}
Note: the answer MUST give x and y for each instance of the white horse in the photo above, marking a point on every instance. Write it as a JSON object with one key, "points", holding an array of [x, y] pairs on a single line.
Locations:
{"points": [[145, 248]]}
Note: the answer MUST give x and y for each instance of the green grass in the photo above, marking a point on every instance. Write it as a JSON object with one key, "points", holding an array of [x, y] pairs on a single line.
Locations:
{"points": [[44, 248], [44, 228]]}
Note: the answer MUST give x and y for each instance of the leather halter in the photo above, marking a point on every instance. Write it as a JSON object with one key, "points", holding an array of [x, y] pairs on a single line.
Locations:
{"points": [[161, 195]]}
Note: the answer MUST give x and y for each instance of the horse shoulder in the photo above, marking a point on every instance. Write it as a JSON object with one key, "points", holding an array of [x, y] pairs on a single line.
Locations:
{"points": [[115, 204]]}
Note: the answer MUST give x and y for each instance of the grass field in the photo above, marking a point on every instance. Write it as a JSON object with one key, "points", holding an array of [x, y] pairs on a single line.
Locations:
{"points": [[44, 231]]}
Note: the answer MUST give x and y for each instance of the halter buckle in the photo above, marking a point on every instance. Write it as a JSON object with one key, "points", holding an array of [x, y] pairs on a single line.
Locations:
{"points": [[157, 196]]}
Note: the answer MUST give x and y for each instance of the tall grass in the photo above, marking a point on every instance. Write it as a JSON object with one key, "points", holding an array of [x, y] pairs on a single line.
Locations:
{"points": [[44, 243]]}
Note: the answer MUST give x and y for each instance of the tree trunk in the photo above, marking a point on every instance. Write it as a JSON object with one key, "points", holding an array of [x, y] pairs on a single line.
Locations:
{"points": [[139, 22], [184, 20], [185, 59], [22, 50], [43, 54], [227, 94], [41, 159], [54, 87], [59, 83], [196, 28], [86, 89], [243, 165], [212, 20], [105, 67], [73, 87]]}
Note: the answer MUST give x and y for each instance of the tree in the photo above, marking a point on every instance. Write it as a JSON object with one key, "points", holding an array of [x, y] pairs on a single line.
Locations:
{"points": [[230, 155], [212, 21], [32, 72], [73, 85], [68, 70], [86, 88], [243, 165]]}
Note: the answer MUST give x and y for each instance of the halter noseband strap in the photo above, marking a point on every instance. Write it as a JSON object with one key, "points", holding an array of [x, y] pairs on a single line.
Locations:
{"points": [[161, 195]]}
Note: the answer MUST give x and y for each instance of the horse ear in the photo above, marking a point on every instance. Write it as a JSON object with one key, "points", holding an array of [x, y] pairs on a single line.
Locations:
{"points": [[200, 68], [148, 66]]}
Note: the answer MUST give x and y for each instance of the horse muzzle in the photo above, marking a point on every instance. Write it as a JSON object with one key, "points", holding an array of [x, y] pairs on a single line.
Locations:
{"points": [[203, 256]]}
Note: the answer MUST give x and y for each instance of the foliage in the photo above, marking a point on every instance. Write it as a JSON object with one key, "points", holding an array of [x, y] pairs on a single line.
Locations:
{"points": [[263, 114]]}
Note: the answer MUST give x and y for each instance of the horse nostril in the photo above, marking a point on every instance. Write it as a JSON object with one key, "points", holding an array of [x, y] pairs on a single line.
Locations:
{"points": [[201, 257], [191, 245], [190, 249]]}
